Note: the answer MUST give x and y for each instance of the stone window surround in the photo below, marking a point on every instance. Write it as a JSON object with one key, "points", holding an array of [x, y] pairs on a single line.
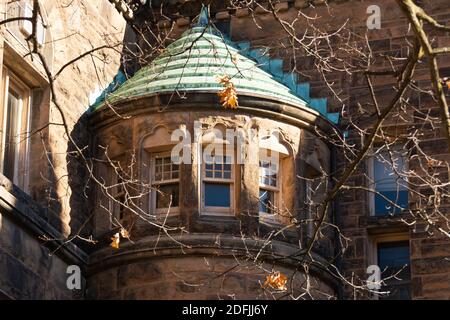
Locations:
{"points": [[374, 240], [285, 154], [279, 192], [161, 143], [18, 31]]}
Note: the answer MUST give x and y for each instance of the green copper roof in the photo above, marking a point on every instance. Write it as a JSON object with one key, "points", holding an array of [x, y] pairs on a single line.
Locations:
{"points": [[194, 62], [198, 58]]}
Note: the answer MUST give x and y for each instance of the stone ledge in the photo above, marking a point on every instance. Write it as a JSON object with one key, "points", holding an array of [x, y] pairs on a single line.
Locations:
{"points": [[204, 244], [22, 209], [255, 104]]}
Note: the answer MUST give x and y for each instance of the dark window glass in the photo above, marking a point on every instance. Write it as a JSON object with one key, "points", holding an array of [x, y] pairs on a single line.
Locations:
{"points": [[266, 201], [394, 259], [383, 207], [389, 184], [167, 196], [217, 195]]}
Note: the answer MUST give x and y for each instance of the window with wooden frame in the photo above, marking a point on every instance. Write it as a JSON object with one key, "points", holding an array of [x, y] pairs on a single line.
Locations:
{"points": [[165, 181], [15, 127], [385, 169], [276, 180], [217, 186], [269, 183]]}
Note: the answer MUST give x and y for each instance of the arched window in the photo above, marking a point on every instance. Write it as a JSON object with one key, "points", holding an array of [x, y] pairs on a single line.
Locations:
{"points": [[163, 174], [276, 180], [165, 180], [269, 182]]}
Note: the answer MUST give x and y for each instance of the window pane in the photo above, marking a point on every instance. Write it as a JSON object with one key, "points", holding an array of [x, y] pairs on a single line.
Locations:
{"points": [[384, 174], [389, 184], [12, 127], [383, 207], [393, 257], [165, 170], [217, 195], [167, 195], [266, 201], [218, 169], [273, 182], [268, 173], [209, 159], [393, 254]]}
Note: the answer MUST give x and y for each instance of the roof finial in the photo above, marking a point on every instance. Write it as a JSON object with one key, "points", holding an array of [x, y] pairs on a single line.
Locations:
{"points": [[203, 18]]}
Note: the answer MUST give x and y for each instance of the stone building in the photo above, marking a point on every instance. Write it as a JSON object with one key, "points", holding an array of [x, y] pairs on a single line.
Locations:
{"points": [[199, 228]]}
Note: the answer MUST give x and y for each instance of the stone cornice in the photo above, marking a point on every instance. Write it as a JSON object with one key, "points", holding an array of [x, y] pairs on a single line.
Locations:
{"points": [[207, 101], [202, 244]]}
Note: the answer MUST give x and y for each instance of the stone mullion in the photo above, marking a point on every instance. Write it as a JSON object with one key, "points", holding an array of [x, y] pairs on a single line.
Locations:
{"points": [[189, 185], [249, 188]]}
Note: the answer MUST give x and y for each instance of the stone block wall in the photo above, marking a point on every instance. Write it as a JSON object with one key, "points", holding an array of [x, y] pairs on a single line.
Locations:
{"points": [[30, 266], [204, 270], [72, 29]]}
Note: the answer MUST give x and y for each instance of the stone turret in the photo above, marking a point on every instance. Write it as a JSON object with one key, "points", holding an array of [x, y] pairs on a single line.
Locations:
{"points": [[217, 223]]}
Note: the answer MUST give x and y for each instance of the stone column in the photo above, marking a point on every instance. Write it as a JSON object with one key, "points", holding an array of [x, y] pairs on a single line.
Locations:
{"points": [[248, 204], [189, 184]]}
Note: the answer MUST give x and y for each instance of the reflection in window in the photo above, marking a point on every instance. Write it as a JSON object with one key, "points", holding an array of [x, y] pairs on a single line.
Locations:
{"points": [[388, 184], [394, 259], [268, 184], [165, 181]]}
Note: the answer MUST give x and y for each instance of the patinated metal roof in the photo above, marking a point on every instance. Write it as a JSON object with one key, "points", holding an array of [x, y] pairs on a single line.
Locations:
{"points": [[199, 57]]}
